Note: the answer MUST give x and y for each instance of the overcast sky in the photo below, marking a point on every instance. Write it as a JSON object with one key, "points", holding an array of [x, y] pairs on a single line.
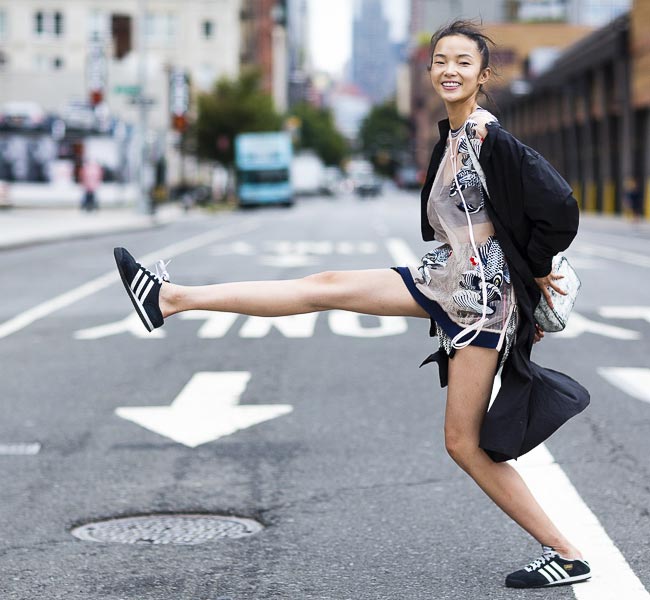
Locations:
{"points": [[330, 30]]}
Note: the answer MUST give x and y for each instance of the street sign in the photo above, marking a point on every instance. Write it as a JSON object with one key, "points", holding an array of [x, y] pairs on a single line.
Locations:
{"points": [[127, 90], [141, 100]]}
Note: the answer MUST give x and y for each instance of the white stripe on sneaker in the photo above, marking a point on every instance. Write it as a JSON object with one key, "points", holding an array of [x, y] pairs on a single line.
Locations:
{"points": [[146, 291], [142, 284], [136, 279], [548, 577], [560, 570], [551, 571]]}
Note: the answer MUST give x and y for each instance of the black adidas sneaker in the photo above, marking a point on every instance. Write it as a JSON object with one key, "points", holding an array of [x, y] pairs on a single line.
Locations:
{"points": [[143, 287], [549, 569]]}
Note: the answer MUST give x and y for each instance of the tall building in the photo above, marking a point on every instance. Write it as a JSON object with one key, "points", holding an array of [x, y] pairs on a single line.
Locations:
{"points": [[264, 45], [297, 47], [373, 58]]}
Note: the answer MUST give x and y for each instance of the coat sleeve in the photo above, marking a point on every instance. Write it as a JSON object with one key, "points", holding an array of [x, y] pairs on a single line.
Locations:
{"points": [[551, 210]]}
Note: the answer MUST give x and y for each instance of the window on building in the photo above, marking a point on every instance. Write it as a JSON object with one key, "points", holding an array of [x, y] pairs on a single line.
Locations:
{"points": [[208, 29], [39, 23], [48, 23], [97, 25], [160, 28], [122, 36], [57, 63], [58, 24]]}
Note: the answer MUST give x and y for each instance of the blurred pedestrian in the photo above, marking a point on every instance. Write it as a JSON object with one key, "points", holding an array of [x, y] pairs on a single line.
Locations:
{"points": [[479, 289], [91, 178], [633, 198]]}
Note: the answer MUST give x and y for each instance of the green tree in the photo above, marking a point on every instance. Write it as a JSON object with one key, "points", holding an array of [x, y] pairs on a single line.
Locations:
{"points": [[233, 107], [318, 132], [385, 137]]}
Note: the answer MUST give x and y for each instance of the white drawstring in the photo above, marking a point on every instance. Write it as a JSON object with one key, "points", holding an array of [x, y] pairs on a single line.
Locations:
{"points": [[478, 325]]}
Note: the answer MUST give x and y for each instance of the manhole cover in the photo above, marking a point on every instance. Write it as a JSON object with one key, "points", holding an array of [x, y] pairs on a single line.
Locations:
{"points": [[167, 529]]}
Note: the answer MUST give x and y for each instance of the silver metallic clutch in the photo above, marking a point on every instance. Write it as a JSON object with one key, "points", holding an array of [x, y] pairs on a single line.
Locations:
{"points": [[555, 319]]}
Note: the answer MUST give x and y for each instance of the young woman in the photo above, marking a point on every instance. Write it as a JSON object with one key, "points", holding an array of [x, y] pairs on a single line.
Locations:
{"points": [[479, 288]]}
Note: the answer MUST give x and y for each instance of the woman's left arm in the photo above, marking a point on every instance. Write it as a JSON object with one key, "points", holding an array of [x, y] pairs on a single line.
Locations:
{"points": [[552, 212]]}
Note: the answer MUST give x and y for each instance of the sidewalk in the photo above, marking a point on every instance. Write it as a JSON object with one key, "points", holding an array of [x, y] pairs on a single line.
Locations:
{"points": [[27, 226]]}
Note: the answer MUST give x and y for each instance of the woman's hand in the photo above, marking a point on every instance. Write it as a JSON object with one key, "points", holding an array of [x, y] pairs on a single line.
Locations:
{"points": [[549, 282], [539, 334]]}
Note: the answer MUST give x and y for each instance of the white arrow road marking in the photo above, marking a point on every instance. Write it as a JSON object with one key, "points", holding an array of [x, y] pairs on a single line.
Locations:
{"points": [[612, 576], [642, 313], [624, 256], [206, 409], [46, 308], [131, 324], [577, 325], [633, 381], [349, 324], [217, 324]]}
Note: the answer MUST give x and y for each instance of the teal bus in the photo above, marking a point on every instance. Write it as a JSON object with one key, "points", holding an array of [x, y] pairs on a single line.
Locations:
{"points": [[262, 163]]}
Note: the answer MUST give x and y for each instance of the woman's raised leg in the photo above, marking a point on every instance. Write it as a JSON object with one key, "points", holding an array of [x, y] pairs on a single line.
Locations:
{"points": [[471, 376], [372, 291]]}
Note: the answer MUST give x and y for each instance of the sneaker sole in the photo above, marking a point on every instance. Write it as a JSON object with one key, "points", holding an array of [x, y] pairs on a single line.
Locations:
{"points": [[139, 309], [570, 581]]}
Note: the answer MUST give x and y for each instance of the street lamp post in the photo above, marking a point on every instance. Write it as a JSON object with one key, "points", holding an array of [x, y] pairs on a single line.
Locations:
{"points": [[145, 205]]}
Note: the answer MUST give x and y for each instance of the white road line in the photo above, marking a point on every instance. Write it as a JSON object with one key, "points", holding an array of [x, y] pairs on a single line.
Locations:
{"points": [[612, 576], [642, 313], [400, 252], [46, 308], [20, 449], [624, 256], [633, 381]]}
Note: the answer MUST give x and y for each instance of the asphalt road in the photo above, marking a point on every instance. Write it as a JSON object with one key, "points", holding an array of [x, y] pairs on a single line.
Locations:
{"points": [[351, 482]]}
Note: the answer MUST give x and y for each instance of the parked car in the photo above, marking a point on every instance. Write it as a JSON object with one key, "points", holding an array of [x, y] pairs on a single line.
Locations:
{"points": [[408, 177], [21, 116], [331, 181], [367, 185], [307, 173]]}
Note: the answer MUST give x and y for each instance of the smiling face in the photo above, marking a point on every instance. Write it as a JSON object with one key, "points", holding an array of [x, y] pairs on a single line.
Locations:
{"points": [[456, 73]]}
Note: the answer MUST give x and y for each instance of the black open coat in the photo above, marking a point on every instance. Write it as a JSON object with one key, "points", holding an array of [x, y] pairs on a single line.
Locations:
{"points": [[535, 216]]}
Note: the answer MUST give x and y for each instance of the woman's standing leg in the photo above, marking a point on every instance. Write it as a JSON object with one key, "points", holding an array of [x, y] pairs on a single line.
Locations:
{"points": [[471, 376], [372, 291]]}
